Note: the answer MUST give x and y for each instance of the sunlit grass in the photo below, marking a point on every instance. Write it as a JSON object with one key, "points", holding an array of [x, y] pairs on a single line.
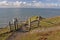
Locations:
{"points": [[48, 22], [45, 22], [5, 36], [4, 30]]}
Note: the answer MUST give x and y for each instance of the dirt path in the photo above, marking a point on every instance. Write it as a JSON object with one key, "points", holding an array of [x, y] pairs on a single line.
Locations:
{"points": [[17, 35]]}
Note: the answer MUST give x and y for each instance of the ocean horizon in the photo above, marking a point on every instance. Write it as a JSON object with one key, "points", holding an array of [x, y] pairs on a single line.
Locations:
{"points": [[7, 14]]}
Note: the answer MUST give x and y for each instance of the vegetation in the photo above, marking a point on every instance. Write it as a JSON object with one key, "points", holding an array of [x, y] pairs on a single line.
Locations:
{"points": [[49, 22], [5, 36], [44, 23], [52, 35], [5, 32]]}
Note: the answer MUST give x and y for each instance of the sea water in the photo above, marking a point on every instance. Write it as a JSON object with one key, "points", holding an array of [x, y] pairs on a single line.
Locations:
{"points": [[7, 14]]}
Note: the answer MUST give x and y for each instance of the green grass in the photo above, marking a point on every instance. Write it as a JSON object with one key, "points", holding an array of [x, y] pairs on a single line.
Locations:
{"points": [[47, 22], [5, 36], [4, 30]]}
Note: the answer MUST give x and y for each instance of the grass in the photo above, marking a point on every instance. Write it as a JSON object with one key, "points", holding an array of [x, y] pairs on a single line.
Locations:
{"points": [[45, 22], [4, 30], [48, 22], [5, 36], [53, 35]]}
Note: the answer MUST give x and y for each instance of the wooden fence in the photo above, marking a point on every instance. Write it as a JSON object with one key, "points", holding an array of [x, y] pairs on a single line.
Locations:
{"points": [[30, 25]]}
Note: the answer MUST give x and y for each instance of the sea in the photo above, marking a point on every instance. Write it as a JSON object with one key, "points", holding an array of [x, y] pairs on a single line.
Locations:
{"points": [[7, 14]]}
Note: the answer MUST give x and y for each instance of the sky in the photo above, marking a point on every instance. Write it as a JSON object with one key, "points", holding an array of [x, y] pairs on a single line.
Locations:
{"points": [[30, 3], [53, 1]]}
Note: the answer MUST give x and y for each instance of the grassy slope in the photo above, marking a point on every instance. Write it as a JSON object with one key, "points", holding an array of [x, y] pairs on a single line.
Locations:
{"points": [[54, 36], [4, 30], [48, 22], [42, 36], [4, 36]]}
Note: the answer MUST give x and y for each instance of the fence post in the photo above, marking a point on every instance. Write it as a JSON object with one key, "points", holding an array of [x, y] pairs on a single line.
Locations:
{"points": [[15, 23], [38, 21], [15, 26], [29, 24], [10, 26]]}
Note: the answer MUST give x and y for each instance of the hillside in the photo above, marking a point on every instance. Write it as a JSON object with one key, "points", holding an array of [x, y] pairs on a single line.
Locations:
{"points": [[50, 35], [43, 24], [48, 22]]}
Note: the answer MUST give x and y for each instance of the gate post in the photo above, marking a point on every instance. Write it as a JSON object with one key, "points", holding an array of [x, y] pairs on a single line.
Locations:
{"points": [[29, 23], [38, 21], [10, 26]]}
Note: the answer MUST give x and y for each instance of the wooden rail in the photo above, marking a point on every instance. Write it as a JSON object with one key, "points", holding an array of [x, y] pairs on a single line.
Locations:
{"points": [[28, 25]]}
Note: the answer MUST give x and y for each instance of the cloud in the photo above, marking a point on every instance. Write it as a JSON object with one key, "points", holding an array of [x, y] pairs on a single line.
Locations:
{"points": [[3, 3], [33, 4]]}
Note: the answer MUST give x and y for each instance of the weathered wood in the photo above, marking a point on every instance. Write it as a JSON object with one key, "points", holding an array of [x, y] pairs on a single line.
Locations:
{"points": [[38, 20], [10, 25], [30, 24]]}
